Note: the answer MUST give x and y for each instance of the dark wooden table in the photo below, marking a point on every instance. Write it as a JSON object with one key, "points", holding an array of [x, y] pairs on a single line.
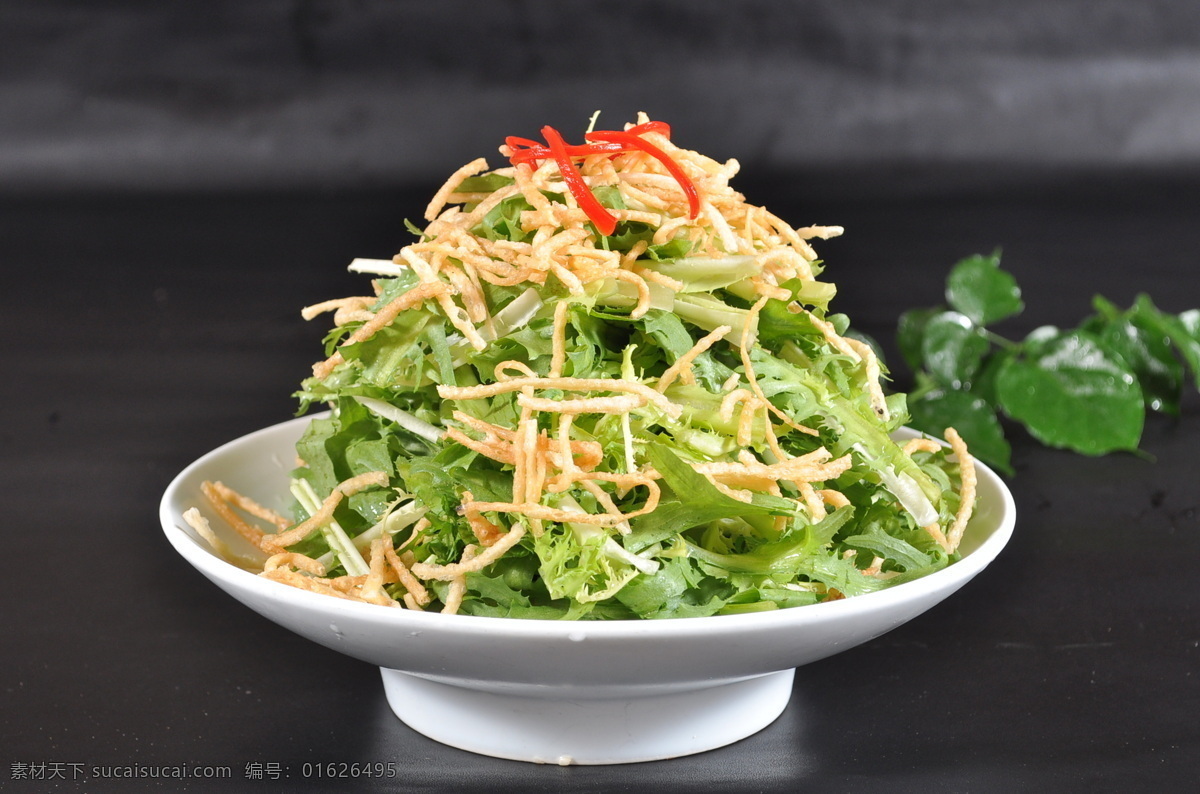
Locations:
{"points": [[141, 331]]}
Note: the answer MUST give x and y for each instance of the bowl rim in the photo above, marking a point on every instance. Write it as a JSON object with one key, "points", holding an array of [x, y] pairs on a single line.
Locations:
{"points": [[197, 553]]}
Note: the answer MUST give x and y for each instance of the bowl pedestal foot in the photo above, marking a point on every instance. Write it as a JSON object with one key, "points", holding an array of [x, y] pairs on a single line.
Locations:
{"points": [[583, 725]]}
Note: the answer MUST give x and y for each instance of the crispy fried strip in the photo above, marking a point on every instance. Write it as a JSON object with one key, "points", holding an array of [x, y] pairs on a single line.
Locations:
{"points": [[875, 391], [309, 312], [590, 453], [302, 582], [618, 404], [446, 573], [813, 467], [750, 328], [439, 199], [643, 291], [816, 508], [939, 537], [834, 499], [558, 356], [405, 577], [194, 519], [592, 487], [372, 588], [294, 560], [501, 370], [565, 384], [222, 509], [542, 512], [685, 361], [250, 506], [282, 540], [920, 445], [383, 317], [501, 453], [458, 585], [966, 506]]}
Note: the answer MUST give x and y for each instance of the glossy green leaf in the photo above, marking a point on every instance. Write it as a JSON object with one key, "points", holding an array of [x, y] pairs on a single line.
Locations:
{"points": [[1182, 330], [1072, 392], [910, 334], [953, 348], [1146, 349], [979, 289], [973, 418]]}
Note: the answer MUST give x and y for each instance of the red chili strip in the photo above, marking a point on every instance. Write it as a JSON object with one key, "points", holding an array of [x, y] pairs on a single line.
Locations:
{"points": [[631, 139], [651, 126], [604, 221], [530, 152]]}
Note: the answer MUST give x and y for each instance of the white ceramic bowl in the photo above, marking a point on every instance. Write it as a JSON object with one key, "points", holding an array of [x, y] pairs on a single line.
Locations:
{"points": [[583, 692]]}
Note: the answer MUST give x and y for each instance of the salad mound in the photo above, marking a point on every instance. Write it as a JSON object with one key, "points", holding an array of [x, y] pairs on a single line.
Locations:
{"points": [[601, 385]]}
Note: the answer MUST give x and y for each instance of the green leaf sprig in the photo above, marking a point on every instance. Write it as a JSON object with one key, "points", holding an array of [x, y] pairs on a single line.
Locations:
{"points": [[1085, 389]]}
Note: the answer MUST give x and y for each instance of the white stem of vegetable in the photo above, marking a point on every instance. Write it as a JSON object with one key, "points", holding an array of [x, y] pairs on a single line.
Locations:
{"points": [[377, 267], [910, 496], [339, 542], [516, 314], [397, 519], [403, 418], [585, 532]]}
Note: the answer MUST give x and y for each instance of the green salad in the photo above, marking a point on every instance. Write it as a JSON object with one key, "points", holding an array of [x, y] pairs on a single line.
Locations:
{"points": [[599, 384]]}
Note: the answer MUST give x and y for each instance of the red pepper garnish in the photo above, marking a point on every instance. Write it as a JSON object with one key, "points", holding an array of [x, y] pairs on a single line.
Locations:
{"points": [[604, 220], [651, 126], [635, 141], [610, 142]]}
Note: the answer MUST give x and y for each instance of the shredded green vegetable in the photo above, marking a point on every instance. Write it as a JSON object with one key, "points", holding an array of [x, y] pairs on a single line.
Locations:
{"points": [[526, 399]]}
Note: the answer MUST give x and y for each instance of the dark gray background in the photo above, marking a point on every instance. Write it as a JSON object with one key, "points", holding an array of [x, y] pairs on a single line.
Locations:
{"points": [[177, 179], [311, 93]]}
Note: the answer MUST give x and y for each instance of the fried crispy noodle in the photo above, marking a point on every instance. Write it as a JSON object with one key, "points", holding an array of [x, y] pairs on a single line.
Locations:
{"points": [[935, 531], [458, 585], [834, 499], [748, 331], [248, 505], [920, 445], [446, 573], [652, 189], [816, 466], [281, 540], [565, 384], [684, 364], [585, 454], [304, 582], [383, 317], [812, 501], [194, 519], [214, 493], [502, 369], [966, 507], [294, 560], [372, 588], [347, 309], [544, 513], [950, 538], [867, 355], [485, 531], [750, 406], [416, 590], [617, 404], [438, 201], [558, 339]]}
